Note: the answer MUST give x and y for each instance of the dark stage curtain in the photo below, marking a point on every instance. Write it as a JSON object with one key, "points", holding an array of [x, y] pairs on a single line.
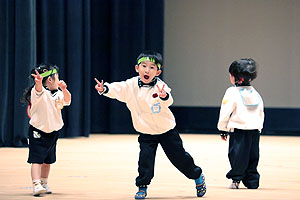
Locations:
{"points": [[86, 39]]}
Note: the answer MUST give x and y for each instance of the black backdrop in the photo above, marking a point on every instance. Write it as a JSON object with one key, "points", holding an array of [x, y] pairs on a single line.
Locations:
{"points": [[86, 39]]}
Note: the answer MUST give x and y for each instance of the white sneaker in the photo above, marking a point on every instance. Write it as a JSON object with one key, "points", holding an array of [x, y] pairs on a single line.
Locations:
{"points": [[234, 185], [38, 189], [47, 188]]}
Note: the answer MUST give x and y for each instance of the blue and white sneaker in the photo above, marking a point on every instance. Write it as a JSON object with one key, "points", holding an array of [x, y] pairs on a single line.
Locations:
{"points": [[141, 194], [200, 186]]}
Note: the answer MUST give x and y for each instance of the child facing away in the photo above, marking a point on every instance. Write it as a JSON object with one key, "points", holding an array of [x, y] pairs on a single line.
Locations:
{"points": [[242, 116], [45, 100], [148, 98]]}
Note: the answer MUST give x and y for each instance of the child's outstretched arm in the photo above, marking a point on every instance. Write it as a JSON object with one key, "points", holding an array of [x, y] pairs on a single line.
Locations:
{"points": [[116, 90], [67, 94], [38, 81]]}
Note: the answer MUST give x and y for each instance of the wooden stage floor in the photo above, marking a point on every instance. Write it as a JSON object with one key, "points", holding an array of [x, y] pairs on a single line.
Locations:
{"points": [[104, 167]]}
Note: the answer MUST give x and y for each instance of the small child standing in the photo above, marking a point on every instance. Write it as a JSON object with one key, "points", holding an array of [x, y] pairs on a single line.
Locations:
{"points": [[242, 116], [45, 101], [148, 98]]}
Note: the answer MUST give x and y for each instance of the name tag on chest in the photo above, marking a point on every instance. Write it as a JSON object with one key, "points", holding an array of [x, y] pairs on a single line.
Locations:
{"points": [[156, 108]]}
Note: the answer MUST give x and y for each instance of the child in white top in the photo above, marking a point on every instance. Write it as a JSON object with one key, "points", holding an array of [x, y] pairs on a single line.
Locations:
{"points": [[148, 98], [242, 116], [45, 101]]}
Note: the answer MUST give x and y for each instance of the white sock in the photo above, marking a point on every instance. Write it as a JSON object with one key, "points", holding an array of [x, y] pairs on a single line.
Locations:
{"points": [[44, 181], [36, 182]]}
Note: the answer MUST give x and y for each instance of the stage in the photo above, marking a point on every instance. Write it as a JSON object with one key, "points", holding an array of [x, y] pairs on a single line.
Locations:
{"points": [[104, 167]]}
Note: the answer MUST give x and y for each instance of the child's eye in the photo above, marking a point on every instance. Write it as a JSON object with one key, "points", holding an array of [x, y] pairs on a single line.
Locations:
{"points": [[144, 65], [151, 67]]}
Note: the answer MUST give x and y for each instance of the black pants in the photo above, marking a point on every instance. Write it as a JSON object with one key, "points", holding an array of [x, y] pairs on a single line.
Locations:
{"points": [[42, 146], [243, 157], [172, 145]]}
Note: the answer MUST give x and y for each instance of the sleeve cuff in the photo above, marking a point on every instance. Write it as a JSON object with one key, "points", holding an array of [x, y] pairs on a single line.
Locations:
{"points": [[106, 89], [223, 133], [166, 98]]}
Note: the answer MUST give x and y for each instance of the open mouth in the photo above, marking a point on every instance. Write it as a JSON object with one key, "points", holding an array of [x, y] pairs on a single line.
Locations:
{"points": [[146, 77]]}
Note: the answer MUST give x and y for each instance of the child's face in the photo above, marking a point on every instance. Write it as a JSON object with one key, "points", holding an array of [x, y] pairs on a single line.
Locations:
{"points": [[52, 83], [147, 71]]}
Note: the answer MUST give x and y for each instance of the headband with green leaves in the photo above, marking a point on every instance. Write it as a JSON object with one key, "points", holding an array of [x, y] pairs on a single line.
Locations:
{"points": [[142, 59]]}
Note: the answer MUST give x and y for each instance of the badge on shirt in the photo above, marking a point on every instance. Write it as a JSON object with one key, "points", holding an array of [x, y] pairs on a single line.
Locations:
{"points": [[59, 104], [156, 107]]}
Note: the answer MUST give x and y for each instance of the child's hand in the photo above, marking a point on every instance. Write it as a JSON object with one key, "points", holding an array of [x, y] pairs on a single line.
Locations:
{"points": [[161, 92], [37, 77], [99, 86], [62, 85], [67, 94], [224, 135]]}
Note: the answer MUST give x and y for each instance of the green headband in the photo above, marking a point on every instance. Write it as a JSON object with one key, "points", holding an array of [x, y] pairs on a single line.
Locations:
{"points": [[48, 73], [142, 59]]}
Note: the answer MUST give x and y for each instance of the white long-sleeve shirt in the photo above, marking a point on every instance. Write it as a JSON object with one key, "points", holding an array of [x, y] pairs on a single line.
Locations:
{"points": [[44, 114], [242, 108], [149, 113]]}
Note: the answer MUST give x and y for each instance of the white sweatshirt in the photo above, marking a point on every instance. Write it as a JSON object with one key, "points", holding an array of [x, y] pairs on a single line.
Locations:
{"points": [[43, 112], [149, 113], [242, 108]]}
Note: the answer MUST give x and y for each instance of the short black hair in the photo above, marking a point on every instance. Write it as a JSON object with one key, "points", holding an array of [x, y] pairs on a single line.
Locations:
{"points": [[157, 57], [243, 70]]}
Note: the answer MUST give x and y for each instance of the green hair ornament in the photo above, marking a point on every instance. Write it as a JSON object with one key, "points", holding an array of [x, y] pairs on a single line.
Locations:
{"points": [[142, 59], [49, 73]]}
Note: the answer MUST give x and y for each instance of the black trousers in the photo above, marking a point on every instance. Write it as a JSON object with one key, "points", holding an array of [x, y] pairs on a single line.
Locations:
{"points": [[171, 143], [244, 156]]}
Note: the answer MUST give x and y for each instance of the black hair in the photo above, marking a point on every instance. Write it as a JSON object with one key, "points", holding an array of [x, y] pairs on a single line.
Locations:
{"points": [[243, 70], [152, 55], [41, 69]]}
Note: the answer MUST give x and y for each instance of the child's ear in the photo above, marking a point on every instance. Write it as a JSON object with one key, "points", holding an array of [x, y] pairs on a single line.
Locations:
{"points": [[158, 72], [49, 79], [136, 68]]}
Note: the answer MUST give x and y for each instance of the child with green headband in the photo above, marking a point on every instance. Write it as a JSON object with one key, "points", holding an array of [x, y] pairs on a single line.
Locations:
{"points": [[45, 98], [148, 98]]}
